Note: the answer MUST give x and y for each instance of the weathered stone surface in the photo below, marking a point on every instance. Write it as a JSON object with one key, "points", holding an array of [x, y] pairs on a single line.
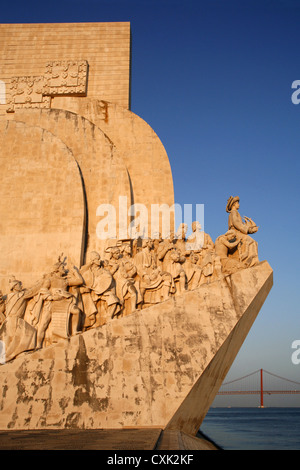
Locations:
{"points": [[139, 166], [102, 167], [37, 221], [142, 370], [117, 153], [144, 154], [196, 404]]}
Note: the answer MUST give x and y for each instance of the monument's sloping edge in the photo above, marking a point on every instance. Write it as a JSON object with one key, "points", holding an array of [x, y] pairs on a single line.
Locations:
{"points": [[178, 440]]}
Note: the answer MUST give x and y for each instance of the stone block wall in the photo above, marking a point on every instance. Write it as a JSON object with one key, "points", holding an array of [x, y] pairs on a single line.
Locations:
{"points": [[27, 48]]}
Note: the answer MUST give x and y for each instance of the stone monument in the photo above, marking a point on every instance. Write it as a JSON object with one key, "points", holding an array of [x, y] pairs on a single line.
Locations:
{"points": [[107, 324]]}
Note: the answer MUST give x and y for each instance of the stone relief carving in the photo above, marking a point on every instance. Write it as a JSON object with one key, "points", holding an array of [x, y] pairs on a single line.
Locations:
{"points": [[66, 77], [27, 92], [60, 78], [132, 276]]}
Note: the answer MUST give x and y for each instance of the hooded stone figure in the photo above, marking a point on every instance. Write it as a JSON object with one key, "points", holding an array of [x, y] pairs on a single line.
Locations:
{"points": [[226, 245]]}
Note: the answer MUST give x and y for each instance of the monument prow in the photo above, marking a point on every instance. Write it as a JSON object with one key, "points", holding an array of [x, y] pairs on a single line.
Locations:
{"points": [[158, 367]]}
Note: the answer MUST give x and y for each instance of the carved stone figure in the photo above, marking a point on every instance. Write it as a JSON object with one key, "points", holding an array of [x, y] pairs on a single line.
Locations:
{"points": [[171, 254], [225, 246], [112, 263], [59, 304], [180, 238], [2, 308], [176, 270], [157, 239], [122, 268], [195, 241], [127, 285], [163, 251], [201, 244], [192, 270], [17, 335], [247, 248], [154, 283], [98, 292], [64, 302]]}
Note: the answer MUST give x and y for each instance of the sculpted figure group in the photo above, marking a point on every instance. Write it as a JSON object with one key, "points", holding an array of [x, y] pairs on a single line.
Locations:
{"points": [[133, 275]]}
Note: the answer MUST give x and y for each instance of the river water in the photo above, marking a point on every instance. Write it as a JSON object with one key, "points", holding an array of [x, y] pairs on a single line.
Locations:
{"points": [[253, 428]]}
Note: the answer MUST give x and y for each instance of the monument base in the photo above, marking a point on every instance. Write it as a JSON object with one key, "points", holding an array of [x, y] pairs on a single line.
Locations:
{"points": [[160, 367], [100, 439]]}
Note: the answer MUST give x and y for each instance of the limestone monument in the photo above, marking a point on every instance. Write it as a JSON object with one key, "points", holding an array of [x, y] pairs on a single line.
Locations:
{"points": [[105, 326]]}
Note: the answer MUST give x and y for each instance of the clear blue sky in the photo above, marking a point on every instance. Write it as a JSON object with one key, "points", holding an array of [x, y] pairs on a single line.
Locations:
{"points": [[213, 79]]}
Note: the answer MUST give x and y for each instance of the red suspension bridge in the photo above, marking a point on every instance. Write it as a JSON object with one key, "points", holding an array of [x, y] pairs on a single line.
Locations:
{"points": [[260, 382]]}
